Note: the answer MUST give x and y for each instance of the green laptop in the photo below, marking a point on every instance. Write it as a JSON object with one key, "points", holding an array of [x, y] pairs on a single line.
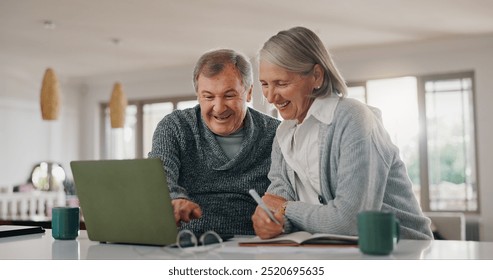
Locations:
{"points": [[125, 201]]}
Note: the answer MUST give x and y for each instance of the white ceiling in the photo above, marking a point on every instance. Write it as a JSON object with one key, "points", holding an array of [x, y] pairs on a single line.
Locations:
{"points": [[159, 33]]}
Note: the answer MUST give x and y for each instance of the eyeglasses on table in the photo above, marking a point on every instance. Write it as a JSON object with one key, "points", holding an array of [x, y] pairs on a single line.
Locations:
{"points": [[187, 238]]}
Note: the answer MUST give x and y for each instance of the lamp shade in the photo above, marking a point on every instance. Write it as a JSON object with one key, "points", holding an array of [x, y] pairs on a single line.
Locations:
{"points": [[50, 96], [118, 106]]}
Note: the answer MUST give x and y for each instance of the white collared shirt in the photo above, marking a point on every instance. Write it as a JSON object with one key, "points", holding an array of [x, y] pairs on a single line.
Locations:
{"points": [[301, 148]]}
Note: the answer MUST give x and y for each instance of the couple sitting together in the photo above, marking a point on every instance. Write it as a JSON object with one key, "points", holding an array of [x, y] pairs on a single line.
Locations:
{"points": [[329, 159]]}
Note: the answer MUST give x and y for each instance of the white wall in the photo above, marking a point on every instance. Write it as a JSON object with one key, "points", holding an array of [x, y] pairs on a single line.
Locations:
{"points": [[25, 139]]}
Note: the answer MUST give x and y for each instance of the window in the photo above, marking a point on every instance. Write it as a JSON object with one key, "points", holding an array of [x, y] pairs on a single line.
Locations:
{"points": [[142, 117], [119, 143], [450, 142], [153, 113], [431, 120]]}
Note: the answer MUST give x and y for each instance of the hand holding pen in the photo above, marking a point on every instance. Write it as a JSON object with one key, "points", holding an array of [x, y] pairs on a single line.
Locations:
{"points": [[262, 205], [266, 223]]}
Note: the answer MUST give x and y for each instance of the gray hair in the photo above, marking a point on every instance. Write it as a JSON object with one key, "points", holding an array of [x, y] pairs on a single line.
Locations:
{"points": [[298, 50], [213, 62]]}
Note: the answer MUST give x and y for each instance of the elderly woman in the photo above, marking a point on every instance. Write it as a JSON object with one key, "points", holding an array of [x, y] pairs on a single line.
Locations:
{"points": [[331, 157]]}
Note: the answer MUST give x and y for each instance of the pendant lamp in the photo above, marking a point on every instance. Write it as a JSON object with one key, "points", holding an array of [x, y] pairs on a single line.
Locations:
{"points": [[118, 106], [50, 96]]}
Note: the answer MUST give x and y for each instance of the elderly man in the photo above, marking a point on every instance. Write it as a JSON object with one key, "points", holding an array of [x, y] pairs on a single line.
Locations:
{"points": [[218, 150]]}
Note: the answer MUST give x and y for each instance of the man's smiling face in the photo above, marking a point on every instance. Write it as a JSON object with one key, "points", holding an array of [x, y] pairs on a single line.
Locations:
{"points": [[222, 100]]}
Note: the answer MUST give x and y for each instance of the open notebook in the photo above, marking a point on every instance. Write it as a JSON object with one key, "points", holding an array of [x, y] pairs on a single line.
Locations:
{"points": [[125, 201], [301, 238]]}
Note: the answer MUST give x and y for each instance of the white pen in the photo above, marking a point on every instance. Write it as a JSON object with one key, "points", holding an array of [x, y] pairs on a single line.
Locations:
{"points": [[260, 203]]}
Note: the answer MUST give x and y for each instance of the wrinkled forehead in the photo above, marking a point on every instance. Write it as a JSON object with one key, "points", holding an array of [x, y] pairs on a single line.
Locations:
{"points": [[227, 80], [216, 69]]}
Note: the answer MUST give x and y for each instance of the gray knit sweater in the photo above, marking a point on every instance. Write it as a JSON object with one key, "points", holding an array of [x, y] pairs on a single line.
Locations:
{"points": [[199, 170], [360, 169]]}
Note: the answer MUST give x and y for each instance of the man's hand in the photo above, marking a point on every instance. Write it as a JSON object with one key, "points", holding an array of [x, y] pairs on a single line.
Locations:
{"points": [[185, 210]]}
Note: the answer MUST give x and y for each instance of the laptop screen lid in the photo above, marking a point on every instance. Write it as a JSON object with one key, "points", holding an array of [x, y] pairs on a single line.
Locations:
{"points": [[125, 201]]}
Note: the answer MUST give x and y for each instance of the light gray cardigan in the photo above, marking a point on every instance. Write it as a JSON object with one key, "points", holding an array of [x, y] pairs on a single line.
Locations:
{"points": [[360, 169]]}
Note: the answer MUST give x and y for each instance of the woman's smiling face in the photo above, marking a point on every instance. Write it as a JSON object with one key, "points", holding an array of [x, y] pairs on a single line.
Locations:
{"points": [[288, 91]]}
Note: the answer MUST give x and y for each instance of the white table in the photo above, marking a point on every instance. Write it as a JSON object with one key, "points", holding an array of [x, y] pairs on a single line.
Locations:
{"points": [[43, 246]]}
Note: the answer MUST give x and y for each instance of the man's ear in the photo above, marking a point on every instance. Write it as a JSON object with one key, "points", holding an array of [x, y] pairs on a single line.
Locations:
{"points": [[249, 94]]}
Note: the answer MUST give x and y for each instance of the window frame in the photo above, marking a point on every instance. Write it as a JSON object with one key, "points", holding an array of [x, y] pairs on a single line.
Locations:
{"points": [[423, 138]]}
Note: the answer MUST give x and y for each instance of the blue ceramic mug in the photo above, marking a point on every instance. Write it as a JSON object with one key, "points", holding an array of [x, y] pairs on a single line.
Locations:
{"points": [[65, 222], [378, 232]]}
